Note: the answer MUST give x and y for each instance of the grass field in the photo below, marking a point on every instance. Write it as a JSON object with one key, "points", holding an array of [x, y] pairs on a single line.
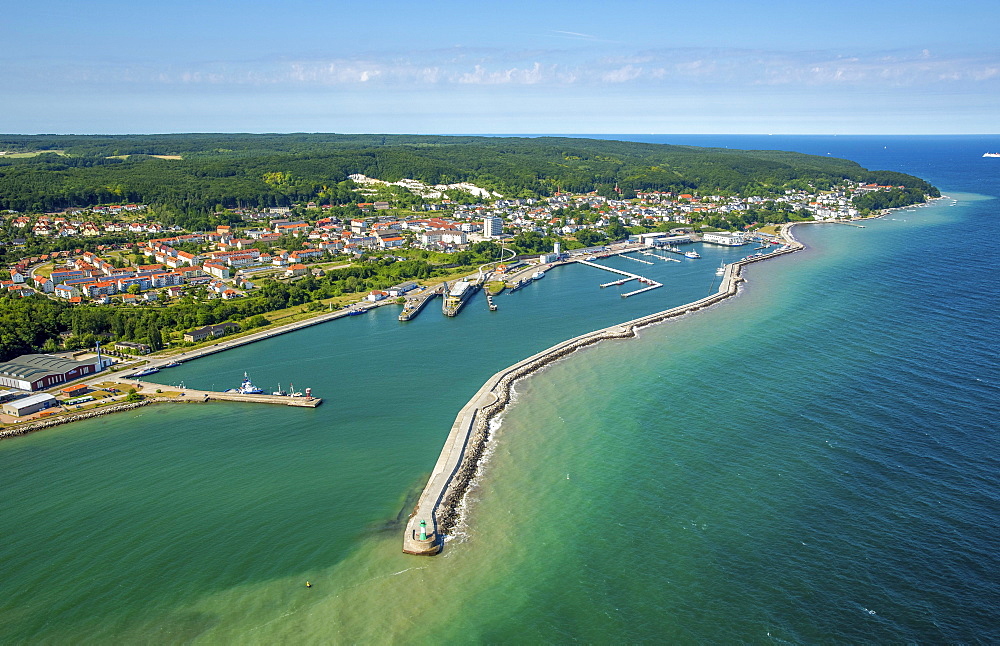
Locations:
{"points": [[7, 153]]}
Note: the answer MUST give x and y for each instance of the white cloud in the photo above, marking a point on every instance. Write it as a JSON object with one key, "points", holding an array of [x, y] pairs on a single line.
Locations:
{"points": [[676, 68]]}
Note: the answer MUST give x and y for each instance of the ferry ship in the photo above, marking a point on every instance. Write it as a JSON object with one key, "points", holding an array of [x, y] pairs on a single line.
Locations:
{"points": [[538, 275], [456, 296], [146, 372], [692, 254], [991, 154]]}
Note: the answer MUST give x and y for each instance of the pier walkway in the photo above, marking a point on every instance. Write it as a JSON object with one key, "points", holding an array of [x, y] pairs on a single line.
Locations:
{"points": [[193, 395]]}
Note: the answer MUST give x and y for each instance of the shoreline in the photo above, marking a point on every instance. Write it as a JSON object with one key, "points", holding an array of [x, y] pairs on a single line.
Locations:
{"points": [[440, 502]]}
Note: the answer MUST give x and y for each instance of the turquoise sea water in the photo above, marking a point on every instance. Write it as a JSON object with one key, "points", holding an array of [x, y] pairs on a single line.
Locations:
{"points": [[813, 460]]}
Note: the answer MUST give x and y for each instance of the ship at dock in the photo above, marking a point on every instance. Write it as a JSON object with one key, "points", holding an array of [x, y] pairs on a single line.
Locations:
{"points": [[456, 296], [247, 387]]}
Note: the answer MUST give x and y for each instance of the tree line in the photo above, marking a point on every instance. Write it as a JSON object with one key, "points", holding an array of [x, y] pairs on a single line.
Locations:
{"points": [[232, 171]]}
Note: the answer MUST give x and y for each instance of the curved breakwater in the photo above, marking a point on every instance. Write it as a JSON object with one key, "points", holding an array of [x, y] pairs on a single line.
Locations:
{"points": [[439, 503]]}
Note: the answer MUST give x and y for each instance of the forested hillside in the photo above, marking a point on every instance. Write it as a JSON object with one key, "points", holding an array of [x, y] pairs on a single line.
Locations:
{"points": [[202, 172]]}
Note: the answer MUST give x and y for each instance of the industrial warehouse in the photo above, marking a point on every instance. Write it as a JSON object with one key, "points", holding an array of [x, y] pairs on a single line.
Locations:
{"points": [[40, 371]]}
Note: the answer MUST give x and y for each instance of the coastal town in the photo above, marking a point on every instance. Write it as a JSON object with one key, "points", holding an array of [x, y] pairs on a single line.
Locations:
{"points": [[159, 265], [229, 260]]}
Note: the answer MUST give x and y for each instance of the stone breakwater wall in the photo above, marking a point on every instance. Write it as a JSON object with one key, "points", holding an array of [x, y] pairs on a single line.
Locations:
{"points": [[441, 500], [447, 513], [31, 427]]}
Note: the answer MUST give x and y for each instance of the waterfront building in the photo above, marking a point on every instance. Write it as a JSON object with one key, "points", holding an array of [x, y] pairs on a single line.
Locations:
{"points": [[725, 238], [29, 405], [202, 333], [401, 289], [39, 371]]}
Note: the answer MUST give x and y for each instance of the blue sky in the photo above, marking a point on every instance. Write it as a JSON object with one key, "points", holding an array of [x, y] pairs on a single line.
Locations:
{"points": [[714, 66]]}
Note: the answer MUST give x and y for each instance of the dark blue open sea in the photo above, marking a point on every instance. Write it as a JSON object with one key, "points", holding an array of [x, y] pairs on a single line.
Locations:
{"points": [[813, 461]]}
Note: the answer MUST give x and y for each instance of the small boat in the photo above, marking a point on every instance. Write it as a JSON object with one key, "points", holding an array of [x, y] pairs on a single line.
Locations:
{"points": [[692, 254], [291, 391], [355, 312], [538, 275], [147, 371], [172, 364], [279, 392], [247, 387], [721, 271]]}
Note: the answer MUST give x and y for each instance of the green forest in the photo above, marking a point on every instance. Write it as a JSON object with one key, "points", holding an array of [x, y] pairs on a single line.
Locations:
{"points": [[207, 172]]}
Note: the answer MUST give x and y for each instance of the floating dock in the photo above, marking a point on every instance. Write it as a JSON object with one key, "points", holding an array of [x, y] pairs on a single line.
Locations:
{"points": [[645, 262], [651, 284], [656, 255]]}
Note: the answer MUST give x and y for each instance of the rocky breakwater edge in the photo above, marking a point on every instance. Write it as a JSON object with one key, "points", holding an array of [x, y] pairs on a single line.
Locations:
{"points": [[441, 502], [31, 427]]}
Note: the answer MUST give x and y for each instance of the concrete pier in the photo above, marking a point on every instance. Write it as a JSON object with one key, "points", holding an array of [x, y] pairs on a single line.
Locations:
{"points": [[192, 395], [416, 303]]}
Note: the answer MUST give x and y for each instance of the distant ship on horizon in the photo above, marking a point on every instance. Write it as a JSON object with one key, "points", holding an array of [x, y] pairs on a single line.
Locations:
{"points": [[991, 154]]}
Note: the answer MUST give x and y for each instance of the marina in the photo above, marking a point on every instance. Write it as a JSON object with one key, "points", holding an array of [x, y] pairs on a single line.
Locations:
{"points": [[656, 255], [650, 284]]}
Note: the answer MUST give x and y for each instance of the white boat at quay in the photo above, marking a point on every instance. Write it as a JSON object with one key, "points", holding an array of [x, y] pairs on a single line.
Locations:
{"points": [[247, 387]]}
